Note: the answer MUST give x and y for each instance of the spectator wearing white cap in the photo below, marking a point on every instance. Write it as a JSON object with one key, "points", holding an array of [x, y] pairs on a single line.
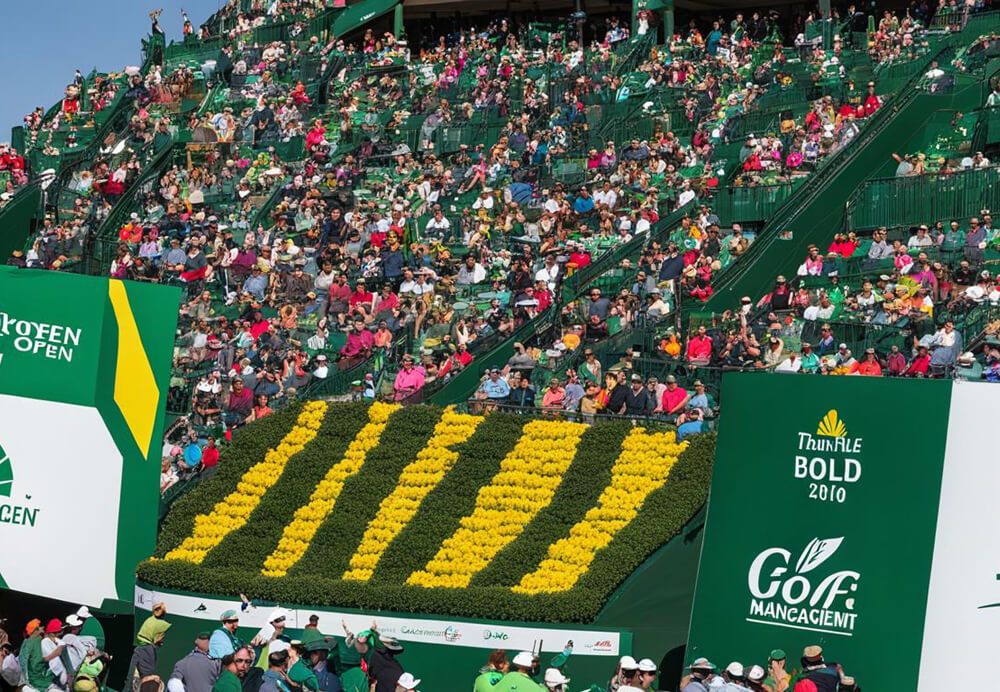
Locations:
{"points": [[519, 677], [647, 674], [702, 672], [271, 631], [734, 676], [407, 683], [755, 678], [555, 680], [626, 675], [76, 646]]}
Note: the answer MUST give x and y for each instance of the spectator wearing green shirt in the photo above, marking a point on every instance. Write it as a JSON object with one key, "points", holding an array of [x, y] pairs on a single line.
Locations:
{"points": [[34, 668], [489, 675], [234, 669], [809, 360], [91, 626], [519, 677]]}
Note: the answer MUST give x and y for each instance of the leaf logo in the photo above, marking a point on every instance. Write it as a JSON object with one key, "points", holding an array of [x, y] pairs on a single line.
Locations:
{"points": [[831, 425], [816, 553], [6, 474]]}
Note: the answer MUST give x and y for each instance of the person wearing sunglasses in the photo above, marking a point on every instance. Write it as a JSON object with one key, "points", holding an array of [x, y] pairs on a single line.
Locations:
{"points": [[234, 668], [647, 675], [224, 640]]}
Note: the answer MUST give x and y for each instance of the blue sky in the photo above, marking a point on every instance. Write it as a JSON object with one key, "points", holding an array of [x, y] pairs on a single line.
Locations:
{"points": [[46, 40]]}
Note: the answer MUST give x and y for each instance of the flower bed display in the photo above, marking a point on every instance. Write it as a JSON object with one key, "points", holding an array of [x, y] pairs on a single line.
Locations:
{"points": [[421, 509]]}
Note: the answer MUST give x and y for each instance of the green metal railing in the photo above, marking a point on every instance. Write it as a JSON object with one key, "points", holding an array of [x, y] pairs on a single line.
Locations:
{"points": [[752, 203], [920, 199]]}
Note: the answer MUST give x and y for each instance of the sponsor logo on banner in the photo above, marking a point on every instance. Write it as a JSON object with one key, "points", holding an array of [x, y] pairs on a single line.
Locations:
{"points": [[51, 341], [803, 596], [495, 635], [600, 645], [13, 513], [828, 461]]}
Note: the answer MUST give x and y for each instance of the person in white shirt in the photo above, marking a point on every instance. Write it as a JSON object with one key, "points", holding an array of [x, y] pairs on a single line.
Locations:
{"points": [[686, 195], [485, 200], [472, 272], [322, 369], [921, 239], [76, 646], [606, 196], [549, 273], [438, 225]]}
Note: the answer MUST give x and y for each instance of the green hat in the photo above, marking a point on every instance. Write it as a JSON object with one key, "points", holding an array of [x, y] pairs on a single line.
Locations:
{"points": [[777, 655], [229, 615], [324, 644], [204, 635]]}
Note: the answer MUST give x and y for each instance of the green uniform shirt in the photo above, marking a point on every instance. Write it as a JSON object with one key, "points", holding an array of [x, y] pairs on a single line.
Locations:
{"points": [[302, 675], [227, 682], [354, 680], [92, 628], [517, 682], [487, 680], [36, 670]]}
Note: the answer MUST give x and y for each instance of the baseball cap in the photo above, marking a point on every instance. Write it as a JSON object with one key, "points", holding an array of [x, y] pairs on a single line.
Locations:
{"points": [[756, 673], [407, 681], [777, 655], [554, 676], [735, 668], [646, 665], [55, 624], [32, 625], [628, 663], [277, 646], [523, 659], [229, 615], [702, 664]]}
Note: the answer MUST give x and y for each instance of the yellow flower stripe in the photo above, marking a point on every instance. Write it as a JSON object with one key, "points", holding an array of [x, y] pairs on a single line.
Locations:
{"points": [[233, 511], [299, 533], [527, 480], [642, 467], [416, 480]]}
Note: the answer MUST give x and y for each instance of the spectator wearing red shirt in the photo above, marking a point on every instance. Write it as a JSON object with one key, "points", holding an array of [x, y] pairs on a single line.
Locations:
{"points": [[210, 455], [843, 245], [869, 366], [340, 295], [920, 364], [896, 362], [361, 297], [699, 348], [675, 398]]}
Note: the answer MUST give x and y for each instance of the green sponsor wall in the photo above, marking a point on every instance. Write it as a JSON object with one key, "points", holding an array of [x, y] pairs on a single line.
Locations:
{"points": [[87, 360], [821, 523]]}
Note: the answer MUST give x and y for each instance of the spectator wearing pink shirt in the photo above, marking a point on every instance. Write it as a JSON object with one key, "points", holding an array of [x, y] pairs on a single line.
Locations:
{"points": [[699, 348], [409, 381]]}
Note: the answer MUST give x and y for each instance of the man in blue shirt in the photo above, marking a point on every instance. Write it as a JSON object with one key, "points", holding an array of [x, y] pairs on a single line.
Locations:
{"points": [[495, 387], [584, 203]]}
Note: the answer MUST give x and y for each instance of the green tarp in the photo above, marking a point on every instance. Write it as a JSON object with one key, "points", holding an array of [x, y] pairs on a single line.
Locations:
{"points": [[356, 16]]}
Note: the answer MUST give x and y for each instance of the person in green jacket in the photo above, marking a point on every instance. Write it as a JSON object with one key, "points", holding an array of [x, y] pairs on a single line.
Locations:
{"points": [[298, 672], [519, 677], [91, 626], [234, 668], [494, 670], [34, 668]]}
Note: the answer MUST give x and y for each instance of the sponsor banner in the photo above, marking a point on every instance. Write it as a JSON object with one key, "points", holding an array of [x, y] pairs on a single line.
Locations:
{"points": [[963, 602], [821, 522], [472, 635], [84, 371]]}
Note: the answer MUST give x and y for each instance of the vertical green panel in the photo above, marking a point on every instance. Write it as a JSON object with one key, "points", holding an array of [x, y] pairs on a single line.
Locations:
{"points": [[821, 524]]}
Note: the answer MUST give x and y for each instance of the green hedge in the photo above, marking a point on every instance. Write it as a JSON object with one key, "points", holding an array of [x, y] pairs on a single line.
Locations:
{"points": [[329, 553], [248, 547], [315, 581]]}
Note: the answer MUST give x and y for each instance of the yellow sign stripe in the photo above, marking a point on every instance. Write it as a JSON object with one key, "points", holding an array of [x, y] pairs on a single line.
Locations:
{"points": [[642, 467], [299, 532], [415, 482], [527, 480], [136, 393], [232, 512]]}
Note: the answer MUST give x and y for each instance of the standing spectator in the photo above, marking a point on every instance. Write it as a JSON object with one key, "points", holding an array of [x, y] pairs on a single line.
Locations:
{"points": [[234, 667], [675, 398], [224, 641], [409, 380], [197, 671]]}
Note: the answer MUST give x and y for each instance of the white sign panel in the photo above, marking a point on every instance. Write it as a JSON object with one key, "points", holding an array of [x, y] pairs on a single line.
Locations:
{"points": [[420, 630]]}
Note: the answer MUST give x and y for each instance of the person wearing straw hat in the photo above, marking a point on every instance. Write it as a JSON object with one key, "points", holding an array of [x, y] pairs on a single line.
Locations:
{"points": [[702, 672]]}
